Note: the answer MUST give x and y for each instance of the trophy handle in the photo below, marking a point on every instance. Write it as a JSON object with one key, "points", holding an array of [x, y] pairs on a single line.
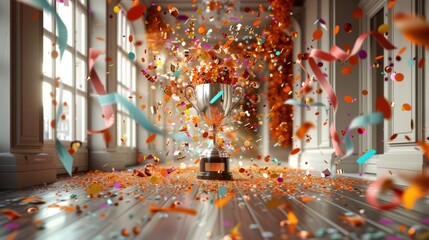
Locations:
{"points": [[189, 100], [241, 96]]}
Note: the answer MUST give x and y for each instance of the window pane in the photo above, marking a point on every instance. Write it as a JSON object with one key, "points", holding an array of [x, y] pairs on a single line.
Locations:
{"points": [[133, 133], [47, 110], [66, 13], [47, 57], [81, 118], [64, 68], [81, 31], [47, 21], [128, 131], [65, 126], [81, 74]]}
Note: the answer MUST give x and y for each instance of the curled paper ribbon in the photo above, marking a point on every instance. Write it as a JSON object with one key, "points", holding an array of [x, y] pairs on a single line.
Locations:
{"points": [[335, 140], [137, 115], [337, 53], [379, 186], [100, 90]]}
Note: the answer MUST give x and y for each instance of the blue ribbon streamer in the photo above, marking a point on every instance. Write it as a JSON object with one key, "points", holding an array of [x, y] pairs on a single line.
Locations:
{"points": [[362, 159], [138, 115], [361, 121]]}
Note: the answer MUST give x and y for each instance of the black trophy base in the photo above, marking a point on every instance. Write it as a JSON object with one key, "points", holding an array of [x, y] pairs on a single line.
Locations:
{"points": [[214, 168]]}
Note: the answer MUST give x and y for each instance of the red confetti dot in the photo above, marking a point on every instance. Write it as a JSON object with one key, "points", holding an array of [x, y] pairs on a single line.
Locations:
{"points": [[136, 12], [317, 35], [295, 151]]}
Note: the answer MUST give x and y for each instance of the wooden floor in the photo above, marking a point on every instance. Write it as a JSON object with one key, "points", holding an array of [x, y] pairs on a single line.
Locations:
{"points": [[256, 206]]}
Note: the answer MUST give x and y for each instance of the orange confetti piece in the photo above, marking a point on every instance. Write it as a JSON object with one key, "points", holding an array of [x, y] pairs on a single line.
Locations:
{"points": [[402, 50], [411, 195], [154, 209], [12, 235], [346, 70], [336, 29], [355, 220], [197, 161], [399, 77], [406, 107], [202, 30], [414, 28], [384, 107], [317, 35], [65, 208], [425, 149], [348, 99], [151, 138], [221, 202], [379, 57], [295, 151], [307, 199], [11, 214], [391, 4], [33, 200], [303, 129], [256, 23]]}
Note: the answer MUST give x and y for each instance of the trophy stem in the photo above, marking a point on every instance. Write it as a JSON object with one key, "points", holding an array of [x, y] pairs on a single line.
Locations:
{"points": [[214, 132]]}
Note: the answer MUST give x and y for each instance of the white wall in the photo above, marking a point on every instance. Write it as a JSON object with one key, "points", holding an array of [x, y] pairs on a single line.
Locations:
{"points": [[401, 155]]}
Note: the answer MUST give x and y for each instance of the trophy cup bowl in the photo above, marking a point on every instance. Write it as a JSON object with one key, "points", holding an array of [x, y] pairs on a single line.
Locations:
{"points": [[214, 102]]}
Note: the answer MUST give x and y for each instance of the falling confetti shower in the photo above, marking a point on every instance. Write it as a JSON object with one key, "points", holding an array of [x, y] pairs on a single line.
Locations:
{"points": [[198, 48]]}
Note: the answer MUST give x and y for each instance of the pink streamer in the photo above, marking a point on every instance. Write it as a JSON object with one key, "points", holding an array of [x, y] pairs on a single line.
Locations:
{"points": [[100, 90]]}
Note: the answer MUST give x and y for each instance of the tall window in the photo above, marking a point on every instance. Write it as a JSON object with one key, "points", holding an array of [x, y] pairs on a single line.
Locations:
{"points": [[72, 71], [126, 75]]}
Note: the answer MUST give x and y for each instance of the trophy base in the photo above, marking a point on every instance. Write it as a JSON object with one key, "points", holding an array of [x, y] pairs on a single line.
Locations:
{"points": [[214, 168]]}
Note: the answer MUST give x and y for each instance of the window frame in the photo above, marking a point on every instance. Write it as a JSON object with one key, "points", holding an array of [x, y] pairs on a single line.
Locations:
{"points": [[126, 80], [77, 56]]}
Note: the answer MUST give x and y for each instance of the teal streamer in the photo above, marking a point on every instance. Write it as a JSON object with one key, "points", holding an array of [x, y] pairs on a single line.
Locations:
{"points": [[138, 115], [361, 121], [298, 104], [61, 27], [362, 159], [216, 97]]}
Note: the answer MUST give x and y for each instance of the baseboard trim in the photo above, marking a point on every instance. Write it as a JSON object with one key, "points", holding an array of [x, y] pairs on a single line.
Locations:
{"points": [[24, 170]]}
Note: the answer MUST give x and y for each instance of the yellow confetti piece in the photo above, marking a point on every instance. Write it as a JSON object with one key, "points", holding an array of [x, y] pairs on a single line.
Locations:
{"points": [[411, 195], [116, 9], [234, 231], [291, 218], [94, 188], [154, 179]]}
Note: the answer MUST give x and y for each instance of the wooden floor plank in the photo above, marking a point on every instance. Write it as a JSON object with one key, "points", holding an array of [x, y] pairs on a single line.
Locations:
{"points": [[256, 207]]}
